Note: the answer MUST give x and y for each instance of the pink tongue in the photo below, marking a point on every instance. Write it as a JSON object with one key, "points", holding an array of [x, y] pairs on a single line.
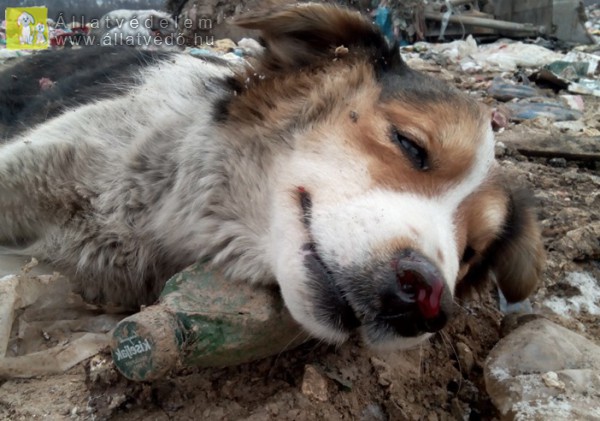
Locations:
{"points": [[428, 299]]}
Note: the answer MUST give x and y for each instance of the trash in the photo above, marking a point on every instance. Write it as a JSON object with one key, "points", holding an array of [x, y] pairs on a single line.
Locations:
{"points": [[201, 320], [583, 295], [502, 55], [250, 46], [518, 307], [199, 52], [573, 126], [529, 110], [224, 45], [506, 55], [383, 20], [575, 102], [32, 303], [505, 91], [585, 87], [55, 360], [544, 371]]}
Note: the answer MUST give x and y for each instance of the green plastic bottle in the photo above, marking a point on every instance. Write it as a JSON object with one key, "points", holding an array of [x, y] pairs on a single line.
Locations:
{"points": [[203, 320]]}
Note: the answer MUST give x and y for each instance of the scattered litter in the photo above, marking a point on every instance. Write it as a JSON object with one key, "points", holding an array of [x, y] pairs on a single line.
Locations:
{"points": [[505, 91], [199, 52], [587, 300], [529, 110], [54, 360], [44, 328], [575, 102], [502, 55], [250, 46], [508, 308]]}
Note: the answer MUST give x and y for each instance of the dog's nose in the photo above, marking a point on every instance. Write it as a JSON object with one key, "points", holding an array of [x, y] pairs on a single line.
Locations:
{"points": [[419, 300]]}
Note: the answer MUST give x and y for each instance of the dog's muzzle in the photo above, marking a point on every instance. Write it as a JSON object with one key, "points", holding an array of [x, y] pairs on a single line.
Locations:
{"points": [[417, 300], [404, 295]]}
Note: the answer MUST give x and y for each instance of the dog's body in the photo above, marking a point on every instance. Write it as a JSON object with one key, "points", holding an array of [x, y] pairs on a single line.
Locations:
{"points": [[40, 37], [366, 190], [24, 21]]}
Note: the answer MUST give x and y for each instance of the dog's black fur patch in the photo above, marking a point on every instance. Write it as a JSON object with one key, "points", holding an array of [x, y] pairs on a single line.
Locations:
{"points": [[81, 76]]}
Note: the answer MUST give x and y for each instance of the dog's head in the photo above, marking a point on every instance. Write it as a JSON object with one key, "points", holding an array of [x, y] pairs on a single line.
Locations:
{"points": [[40, 27], [387, 196], [25, 19]]}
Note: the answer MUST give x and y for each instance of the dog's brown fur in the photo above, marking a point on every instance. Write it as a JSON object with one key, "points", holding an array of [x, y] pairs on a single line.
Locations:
{"points": [[130, 195]]}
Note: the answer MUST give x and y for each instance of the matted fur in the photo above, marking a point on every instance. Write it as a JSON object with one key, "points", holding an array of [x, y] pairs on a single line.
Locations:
{"points": [[201, 160]]}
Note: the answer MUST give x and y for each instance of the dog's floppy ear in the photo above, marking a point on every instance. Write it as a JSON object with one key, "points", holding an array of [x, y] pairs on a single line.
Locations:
{"points": [[301, 35], [517, 256]]}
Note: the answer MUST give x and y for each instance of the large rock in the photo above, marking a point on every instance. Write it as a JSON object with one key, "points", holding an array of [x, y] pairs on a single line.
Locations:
{"points": [[542, 371]]}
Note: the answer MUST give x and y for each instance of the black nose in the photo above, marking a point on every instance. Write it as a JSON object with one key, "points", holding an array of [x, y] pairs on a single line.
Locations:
{"points": [[417, 299]]}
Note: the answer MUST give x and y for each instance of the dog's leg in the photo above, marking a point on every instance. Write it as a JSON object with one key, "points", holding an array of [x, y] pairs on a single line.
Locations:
{"points": [[42, 183]]}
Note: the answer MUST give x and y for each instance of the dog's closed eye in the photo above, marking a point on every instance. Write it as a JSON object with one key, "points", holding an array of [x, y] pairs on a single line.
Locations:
{"points": [[415, 153]]}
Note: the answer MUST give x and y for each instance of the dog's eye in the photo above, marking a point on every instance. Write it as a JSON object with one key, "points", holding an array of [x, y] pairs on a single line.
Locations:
{"points": [[414, 152], [468, 254]]}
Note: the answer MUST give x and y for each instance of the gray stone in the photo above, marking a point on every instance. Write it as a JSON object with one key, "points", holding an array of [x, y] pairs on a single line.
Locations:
{"points": [[544, 371], [314, 384]]}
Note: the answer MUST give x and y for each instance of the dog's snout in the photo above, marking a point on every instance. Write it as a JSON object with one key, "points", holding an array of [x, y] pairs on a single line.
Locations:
{"points": [[420, 282], [419, 300]]}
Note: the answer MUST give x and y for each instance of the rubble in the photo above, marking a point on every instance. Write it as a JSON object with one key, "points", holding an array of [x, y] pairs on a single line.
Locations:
{"points": [[544, 371], [544, 94], [314, 384]]}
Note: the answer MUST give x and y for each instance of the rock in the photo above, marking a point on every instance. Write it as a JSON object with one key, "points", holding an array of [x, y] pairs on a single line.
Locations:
{"points": [[465, 357], [373, 412], [581, 243], [544, 371], [499, 149], [512, 321], [383, 370], [557, 162], [314, 384]]}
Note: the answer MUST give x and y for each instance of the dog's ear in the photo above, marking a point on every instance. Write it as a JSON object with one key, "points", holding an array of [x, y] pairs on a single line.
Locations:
{"points": [[302, 35], [516, 257]]}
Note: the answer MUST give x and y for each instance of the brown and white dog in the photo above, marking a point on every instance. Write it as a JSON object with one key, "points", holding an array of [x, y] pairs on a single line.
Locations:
{"points": [[367, 191]]}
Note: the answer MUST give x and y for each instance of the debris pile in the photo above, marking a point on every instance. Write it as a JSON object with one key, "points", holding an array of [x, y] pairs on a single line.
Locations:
{"points": [[545, 94]]}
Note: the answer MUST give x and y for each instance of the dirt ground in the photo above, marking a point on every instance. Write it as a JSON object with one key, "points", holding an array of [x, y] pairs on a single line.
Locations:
{"points": [[441, 380]]}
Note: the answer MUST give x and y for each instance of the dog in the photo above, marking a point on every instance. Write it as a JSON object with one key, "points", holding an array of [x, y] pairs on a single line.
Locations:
{"points": [[367, 191], [24, 21], [40, 38]]}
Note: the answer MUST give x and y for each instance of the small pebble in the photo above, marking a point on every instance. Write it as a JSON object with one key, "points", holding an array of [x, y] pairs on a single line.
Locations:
{"points": [[314, 384], [557, 162]]}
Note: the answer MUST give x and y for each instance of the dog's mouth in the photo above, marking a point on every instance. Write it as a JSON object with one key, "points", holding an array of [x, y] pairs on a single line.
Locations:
{"points": [[331, 306]]}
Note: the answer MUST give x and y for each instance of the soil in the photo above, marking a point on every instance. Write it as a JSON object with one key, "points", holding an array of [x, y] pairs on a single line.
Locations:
{"points": [[441, 380]]}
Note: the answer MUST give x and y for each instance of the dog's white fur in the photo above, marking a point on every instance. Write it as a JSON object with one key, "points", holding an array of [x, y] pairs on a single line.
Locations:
{"points": [[24, 21], [40, 38], [161, 185]]}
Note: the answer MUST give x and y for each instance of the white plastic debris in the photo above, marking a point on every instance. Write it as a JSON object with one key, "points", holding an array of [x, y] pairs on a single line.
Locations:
{"points": [[587, 300]]}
